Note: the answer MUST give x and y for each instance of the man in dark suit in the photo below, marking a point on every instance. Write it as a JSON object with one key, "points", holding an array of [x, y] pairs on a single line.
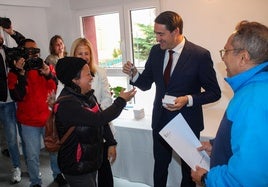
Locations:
{"points": [[192, 82]]}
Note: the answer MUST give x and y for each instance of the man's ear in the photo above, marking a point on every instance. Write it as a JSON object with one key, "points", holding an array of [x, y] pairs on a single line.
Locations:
{"points": [[245, 57], [177, 30]]}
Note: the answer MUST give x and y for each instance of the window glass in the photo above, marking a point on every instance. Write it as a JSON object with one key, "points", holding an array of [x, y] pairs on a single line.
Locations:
{"points": [[138, 38], [105, 38], [143, 37]]}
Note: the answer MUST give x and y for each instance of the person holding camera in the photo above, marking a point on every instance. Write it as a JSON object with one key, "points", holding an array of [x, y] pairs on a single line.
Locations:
{"points": [[7, 105], [30, 82]]}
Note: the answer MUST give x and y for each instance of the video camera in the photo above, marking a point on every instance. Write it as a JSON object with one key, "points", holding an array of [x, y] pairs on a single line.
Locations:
{"points": [[32, 61], [5, 23]]}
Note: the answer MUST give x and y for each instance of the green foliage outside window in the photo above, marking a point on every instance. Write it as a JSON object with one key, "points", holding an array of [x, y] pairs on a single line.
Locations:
{"points": [[116, 53], [143, 44]]}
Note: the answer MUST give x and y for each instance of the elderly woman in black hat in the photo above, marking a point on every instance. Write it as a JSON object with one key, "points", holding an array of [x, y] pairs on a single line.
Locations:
{"points": [[80, 156]]}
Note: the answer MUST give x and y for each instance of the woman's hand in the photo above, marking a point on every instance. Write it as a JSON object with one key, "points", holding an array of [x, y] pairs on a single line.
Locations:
{"points": [[112, 153], [127, 95]]}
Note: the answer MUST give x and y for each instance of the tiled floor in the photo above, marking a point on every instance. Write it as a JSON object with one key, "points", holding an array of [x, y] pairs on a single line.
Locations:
{"points": [[5, 168]]}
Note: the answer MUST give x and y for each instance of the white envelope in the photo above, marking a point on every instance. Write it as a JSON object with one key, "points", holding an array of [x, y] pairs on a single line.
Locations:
{"points": [[181, 138]]}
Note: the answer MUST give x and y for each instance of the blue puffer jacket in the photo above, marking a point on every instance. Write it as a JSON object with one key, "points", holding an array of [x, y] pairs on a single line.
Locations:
{"points": [[240, 149]]}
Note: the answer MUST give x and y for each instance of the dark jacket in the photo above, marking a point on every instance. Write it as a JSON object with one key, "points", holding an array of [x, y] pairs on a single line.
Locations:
{"points": [[193, 72], [3, 74], [82, 151]]}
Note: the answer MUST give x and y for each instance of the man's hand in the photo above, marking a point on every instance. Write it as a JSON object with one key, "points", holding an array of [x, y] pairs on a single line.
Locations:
{"points": [[179, 102], [19, 64], [130, 69], [206, 146], [197, 175], [45, 70], [10, 30]]}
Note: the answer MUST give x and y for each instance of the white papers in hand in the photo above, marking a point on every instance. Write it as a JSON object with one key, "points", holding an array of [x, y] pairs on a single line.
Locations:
{"points": [[181, 138]]}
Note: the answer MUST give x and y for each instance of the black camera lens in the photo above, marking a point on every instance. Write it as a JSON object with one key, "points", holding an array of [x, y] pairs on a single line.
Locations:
{"points": [[33, 63]]}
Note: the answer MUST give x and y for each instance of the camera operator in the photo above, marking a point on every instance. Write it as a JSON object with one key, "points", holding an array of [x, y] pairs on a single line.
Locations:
{"points": [[30, 87], [7, 105]]}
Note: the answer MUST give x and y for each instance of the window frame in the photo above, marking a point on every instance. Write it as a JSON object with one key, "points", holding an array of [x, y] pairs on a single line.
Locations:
{"points": [[125, 26], [124, 11]]}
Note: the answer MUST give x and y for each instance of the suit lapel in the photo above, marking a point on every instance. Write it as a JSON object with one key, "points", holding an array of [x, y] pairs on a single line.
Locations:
{"points": [[185, 54]]}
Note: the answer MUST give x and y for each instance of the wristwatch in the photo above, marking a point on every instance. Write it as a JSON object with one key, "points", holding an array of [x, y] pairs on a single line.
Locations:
{"points": [[203, 178]]}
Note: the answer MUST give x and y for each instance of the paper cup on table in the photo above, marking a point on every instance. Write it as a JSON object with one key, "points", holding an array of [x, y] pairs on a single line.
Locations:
{"points": [[138, 112]]}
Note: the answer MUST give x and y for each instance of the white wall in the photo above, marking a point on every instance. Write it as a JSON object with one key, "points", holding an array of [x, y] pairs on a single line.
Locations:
{"points": [[61, 21], [30, 21], [40, 20]]}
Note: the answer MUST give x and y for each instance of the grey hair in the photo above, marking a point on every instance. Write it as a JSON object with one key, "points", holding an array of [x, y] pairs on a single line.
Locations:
{"points": [[253, 37]]}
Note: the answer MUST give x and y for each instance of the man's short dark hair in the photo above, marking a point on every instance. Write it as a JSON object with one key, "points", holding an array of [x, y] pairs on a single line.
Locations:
{"points": [[24, 41], [171, 20]]}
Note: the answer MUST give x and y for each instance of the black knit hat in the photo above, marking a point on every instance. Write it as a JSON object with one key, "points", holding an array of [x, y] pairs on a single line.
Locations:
{"points": [[67, 68]]}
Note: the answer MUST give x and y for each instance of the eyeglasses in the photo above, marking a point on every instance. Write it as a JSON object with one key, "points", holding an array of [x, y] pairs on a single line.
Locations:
{"points": [[224, 51]]}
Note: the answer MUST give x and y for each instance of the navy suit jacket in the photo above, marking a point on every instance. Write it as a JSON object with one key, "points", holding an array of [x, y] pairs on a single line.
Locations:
{"points": [[193, 71]]}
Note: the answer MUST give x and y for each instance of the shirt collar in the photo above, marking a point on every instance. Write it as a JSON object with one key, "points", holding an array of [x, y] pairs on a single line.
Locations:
{"points": [[179, 47]]}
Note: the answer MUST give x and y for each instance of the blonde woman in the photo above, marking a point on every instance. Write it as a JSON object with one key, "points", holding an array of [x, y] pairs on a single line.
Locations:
{"points": [[82, 48]]}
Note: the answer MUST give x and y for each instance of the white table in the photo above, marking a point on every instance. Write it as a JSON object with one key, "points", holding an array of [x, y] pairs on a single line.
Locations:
{"points": [[135, 151]]}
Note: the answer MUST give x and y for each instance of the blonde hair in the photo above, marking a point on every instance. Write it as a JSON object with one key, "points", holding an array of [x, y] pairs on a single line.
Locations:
{"points": [[84, 42]]}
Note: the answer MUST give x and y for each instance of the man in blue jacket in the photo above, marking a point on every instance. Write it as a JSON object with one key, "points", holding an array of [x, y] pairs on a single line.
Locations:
{"points": [[240, 150]]}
